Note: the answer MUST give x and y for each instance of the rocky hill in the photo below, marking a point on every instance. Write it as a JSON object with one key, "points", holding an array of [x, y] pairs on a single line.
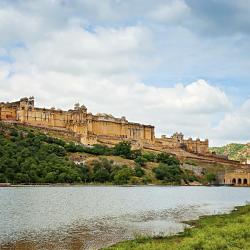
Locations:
{"points": [[234, 151]]}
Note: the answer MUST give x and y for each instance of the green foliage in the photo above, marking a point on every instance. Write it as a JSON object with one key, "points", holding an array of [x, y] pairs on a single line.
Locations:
{"points": [[141, 161], [168, 173], [150, 156], [26, 157], [146, 180], [210, 177], [123, 149], [135, 153], [234, 151], [167, 159], [123, 176], [139, 172], [96, 149]]}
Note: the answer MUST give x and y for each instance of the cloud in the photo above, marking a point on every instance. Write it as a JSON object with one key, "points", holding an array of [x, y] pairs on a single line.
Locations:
{"points": [[235, 125], [127, 58], [78, 51], [172, 11]]}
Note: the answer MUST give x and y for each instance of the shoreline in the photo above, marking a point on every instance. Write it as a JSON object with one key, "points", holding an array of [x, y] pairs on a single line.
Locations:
{"points": [[207, 232], [109, 185]]}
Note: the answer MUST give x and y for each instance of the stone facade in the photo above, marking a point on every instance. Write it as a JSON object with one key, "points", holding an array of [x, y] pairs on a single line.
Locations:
{"points": [[177, 141], [90, 127], [99, 128], [239, 177]]}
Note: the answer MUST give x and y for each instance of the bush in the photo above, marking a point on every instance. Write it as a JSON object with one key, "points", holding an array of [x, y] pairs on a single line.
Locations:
{"points": [[167, 159], [123, 149], [146, 179], [141, 161], [150, 156], [169, 174], [135, 153], [101, 175], [123, 176], [139, 172]]}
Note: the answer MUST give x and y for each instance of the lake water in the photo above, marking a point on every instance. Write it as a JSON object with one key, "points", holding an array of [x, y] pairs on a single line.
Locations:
{"points": [[89, 217]]}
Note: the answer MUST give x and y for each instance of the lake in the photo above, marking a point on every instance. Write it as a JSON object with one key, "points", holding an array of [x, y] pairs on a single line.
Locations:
{"points": [[91, 217]]}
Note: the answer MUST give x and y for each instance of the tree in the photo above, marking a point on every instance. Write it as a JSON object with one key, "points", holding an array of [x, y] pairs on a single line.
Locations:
{"points": [[167, 159], [149, 156], [50, 177], [123, 149], [22, 178], [139, 172], [123, 176], [101, 175], [3, 178], [141, 161], [169, 174]]}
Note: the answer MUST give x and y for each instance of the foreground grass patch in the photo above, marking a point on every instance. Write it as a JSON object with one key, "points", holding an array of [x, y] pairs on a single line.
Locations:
{"points": [[231, 231]]}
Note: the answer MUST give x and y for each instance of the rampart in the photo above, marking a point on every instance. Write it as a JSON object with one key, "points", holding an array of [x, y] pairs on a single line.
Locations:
{"points": [[102, 128]]}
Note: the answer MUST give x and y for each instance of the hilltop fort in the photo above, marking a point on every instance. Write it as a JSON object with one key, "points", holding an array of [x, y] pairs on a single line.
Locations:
{"points": [[86, 128], [90, 129]]}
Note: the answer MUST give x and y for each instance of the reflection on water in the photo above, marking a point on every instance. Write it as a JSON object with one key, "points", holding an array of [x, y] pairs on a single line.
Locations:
{"points": [[93, 217]]}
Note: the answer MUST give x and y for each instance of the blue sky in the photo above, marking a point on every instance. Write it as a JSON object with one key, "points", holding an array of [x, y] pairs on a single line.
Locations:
{"points": [[181, 65]]}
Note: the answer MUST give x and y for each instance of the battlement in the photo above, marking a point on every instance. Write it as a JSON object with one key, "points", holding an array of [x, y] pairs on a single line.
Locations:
{"points": [[96, 128], [78, 120], [177, 140]]}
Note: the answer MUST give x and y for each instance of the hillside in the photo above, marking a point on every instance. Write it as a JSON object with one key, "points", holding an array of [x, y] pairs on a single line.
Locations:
{"points": [[234, 151], [32, 156]]}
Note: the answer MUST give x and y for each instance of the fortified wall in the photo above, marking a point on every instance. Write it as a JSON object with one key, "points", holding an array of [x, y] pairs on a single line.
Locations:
{"points": [[177, 141], [99, 128], [90, 127]]}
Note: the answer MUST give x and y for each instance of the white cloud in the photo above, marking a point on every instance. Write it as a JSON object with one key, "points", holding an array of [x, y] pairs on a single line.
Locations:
{"points": [[172, 11], [99, 53], [235, 125], [77, 51]]}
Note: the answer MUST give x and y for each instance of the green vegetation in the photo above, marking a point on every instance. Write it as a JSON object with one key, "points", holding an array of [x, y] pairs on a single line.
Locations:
{"points": [[210, 178], [28, 156], [234, 151], [216, 232]]}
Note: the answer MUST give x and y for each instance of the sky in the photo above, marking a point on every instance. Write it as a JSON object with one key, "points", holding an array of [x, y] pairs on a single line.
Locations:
{"points": [[180, 65]]}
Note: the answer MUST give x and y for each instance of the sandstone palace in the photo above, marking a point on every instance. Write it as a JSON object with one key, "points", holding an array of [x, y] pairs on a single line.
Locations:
{"points": [[90, 129]]}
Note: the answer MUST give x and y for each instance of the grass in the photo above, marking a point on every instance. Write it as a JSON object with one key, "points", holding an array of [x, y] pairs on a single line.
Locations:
{"points": [[217, 232]]}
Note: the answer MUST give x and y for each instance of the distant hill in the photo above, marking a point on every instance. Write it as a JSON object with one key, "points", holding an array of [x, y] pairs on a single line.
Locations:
{"points": [[234, 151]]}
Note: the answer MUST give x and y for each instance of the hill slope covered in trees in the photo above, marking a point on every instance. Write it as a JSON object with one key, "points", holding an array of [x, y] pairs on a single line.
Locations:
{"points": [[234, 151], [29, 156]]}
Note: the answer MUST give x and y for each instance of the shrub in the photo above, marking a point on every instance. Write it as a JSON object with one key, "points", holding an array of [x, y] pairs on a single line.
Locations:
{"points": [[139, 172], [150, 156], [146, 179], [101, 175], [167, 173], [123, 149], [141, 161], [123, 176], [167, 159]]}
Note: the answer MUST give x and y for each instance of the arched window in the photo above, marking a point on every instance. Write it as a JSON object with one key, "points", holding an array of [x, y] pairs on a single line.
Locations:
{"points": [[239, 181], [245, 181], [234, 181]]}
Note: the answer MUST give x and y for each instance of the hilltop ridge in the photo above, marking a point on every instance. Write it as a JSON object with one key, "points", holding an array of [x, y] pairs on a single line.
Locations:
{"points": [[235, 151]]}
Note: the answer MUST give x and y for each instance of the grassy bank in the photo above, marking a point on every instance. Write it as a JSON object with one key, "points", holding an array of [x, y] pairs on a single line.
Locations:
{"points": [[218, 232]]}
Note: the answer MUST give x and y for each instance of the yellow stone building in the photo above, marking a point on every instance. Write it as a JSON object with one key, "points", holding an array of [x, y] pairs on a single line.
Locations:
{"points": [[239, 177], [99, 128], [91, 128]]}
